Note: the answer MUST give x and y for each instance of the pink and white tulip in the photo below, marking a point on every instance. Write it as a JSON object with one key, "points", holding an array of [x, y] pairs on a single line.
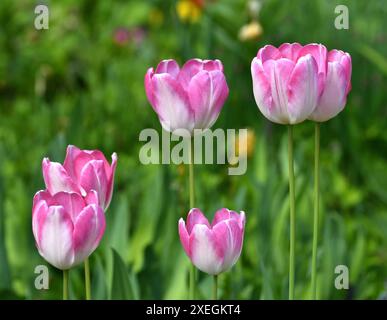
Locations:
{"points": [[67, 227], [213, 248], [337, 85], [188, 98], [286, 81], [81, 172]]}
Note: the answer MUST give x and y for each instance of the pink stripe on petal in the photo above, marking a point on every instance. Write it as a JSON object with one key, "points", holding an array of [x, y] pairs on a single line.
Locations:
{"points": [[73, 203], [290, 50], [39, 215]]}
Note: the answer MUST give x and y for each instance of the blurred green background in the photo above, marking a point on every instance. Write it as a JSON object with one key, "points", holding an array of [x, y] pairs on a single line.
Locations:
{"points": [[81, 82]]}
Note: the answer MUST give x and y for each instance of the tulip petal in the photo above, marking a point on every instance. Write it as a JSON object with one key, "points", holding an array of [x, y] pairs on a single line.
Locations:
{"points": [[184, 237], [207, 93], [93, 177], [205, 253], [149, 87], [290, 50], [261, 88], [303, 89], [72, 203], [334, 96], [220, 215], [110, 177], [168, 66], [172, 103], [268, 52], [88, 231], [195, 216], [56, 177], [56, 244]]}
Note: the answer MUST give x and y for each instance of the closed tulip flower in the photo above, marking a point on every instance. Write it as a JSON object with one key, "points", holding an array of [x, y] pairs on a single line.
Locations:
{"points": [[67, 227], [213, 248], [82, 171], [286, 82], [336, 86], [188, 98]]}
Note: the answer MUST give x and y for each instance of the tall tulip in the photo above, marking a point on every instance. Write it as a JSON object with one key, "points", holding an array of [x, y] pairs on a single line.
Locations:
{"points": [[213, 248], [188, 98], [81, 172], [67, 227], [336, 84], [287, 82]]}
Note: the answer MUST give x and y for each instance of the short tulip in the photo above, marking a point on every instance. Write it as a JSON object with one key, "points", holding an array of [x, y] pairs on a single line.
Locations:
{"points": [[67, 227], [286, 82], [82, 171], [188, 98], [213, 248]]}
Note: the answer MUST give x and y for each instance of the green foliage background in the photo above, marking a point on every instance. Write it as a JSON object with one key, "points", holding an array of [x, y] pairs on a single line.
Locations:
{"points": [[73, 84]]}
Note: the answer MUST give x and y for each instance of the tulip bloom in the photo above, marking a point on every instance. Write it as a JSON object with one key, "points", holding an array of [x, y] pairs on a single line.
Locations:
{"points": [[336, 86], [285, 82], [82, 171], [67, 227], [188, 98], [213, 248]]}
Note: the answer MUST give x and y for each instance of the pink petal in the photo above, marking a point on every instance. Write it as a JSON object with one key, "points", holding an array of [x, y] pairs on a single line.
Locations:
{"points": [[334, 96], [72, 153], [39, 196], [279, 72], [110, 185], [268, 52], [220, 215], [261, 88], [93, 177], [206, 253], [73, 203], [290, 51], [56, 243], [207, 93], [195, 216], [168, 66], [188, 71], [172, 103], [88, 231], [56, 177], [303, 89], [149, 87], [184, 237], [319, 53], [39, 214]]}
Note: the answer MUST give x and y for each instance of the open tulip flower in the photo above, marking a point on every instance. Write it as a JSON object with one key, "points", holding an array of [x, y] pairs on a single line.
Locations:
{"points": [[82, 171], [213, 248], [67, 227], [285, 82], [188, 98]]}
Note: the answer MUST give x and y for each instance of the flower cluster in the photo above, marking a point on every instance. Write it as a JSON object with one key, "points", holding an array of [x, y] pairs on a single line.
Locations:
{"points": [[68, 218]]}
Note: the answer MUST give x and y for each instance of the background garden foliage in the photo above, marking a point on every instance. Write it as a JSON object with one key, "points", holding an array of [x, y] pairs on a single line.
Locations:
{"points": [[81, 82]]}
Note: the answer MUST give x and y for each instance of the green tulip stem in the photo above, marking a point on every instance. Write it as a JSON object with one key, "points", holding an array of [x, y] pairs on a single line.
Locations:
{"points": [[191, 204], [87, 279], [65, 284]]}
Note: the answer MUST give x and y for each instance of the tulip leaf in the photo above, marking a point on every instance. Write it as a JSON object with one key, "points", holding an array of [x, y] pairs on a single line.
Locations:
{"points": [[122, 284]]}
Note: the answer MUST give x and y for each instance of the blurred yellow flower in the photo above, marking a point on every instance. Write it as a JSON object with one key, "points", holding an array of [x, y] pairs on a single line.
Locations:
{"points": [[189, 10], [246, 149], [251, 31]]}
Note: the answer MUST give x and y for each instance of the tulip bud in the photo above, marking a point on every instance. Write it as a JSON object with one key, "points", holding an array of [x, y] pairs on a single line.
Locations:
{"points": [[188, 98], [213, 248], [82, 171], [67, 227]]}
